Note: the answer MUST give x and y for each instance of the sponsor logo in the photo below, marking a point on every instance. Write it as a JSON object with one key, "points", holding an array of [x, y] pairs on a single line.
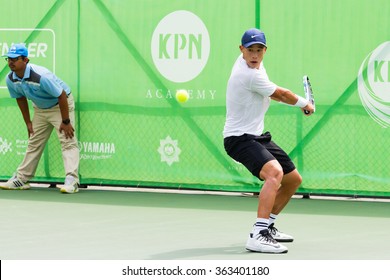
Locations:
{"points": [[96, 150], [42, 49], [180, 46], [374, 84], [34, 49], [169, 150], [5, 147], [199, 94]]}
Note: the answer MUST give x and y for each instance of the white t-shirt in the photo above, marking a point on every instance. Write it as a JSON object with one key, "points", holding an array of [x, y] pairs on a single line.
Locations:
{"points": [[247, 99]]}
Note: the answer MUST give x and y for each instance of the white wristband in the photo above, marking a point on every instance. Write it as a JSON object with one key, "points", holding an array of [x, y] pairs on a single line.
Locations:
{"points": [[302, 102]]}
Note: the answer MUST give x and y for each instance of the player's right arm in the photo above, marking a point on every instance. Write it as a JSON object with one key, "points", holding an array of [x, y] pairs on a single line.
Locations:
{"points": [[288, 97]]}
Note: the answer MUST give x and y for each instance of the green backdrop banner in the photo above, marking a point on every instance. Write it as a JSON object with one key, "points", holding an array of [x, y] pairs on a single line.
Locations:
{"points": [[124, 61]]}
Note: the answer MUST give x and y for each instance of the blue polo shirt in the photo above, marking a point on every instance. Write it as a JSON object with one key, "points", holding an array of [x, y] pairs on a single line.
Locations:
{"points": [[39, 85]]}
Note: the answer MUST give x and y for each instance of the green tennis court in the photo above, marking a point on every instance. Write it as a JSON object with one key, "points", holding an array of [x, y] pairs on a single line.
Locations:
{"points": [[141, 224]]}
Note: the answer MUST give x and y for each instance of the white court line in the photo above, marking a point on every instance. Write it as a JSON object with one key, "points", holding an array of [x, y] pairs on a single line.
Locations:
{"points": [[223, 193]]}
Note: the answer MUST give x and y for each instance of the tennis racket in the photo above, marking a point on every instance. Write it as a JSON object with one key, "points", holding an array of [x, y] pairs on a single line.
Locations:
{"points": [[308, 92]]}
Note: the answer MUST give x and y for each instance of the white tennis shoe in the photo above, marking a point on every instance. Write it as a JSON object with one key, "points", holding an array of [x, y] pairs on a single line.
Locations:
{"points": [[279, 236], [14, 184], [70, 186], [263, 242]]}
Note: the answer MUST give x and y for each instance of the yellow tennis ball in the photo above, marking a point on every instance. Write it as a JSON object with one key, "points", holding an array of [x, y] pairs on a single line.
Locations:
{"points": [[182, 95]]}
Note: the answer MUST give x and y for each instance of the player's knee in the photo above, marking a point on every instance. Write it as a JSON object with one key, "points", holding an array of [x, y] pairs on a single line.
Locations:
{"points": [[272, 171], [298, 179]]}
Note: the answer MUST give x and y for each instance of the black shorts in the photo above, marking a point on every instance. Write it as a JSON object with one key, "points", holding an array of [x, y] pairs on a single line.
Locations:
{"points": [[255, 151]]}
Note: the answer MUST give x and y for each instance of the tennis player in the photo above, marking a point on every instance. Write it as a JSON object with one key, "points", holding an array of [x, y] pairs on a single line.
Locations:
{"points": [[53, 106], [248, 96]]}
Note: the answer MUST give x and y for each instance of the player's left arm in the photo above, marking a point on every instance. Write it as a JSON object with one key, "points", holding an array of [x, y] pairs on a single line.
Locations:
{"points": [[288, 97], [284, 95]]}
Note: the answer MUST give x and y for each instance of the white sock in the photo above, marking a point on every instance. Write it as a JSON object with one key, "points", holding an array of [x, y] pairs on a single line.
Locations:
{"points": [[260, 225], [272, 218]]}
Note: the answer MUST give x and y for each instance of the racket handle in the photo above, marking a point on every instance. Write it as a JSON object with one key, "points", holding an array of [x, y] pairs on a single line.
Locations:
{"points": [[306, 112]]}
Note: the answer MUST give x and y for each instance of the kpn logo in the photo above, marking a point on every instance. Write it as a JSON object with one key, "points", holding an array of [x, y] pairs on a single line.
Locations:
{"points": [[180, 46], [374, 84]]}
